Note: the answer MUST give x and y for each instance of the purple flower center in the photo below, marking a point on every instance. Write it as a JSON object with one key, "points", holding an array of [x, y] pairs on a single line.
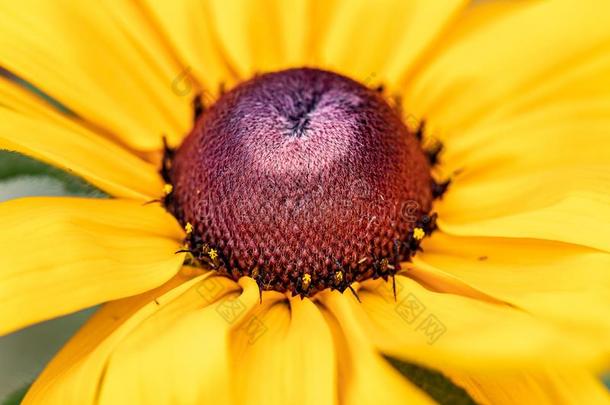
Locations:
{"points": [[304, 180]]}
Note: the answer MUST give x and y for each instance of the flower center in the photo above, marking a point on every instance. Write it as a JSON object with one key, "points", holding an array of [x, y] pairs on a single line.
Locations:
{"points": [[304, 180]]}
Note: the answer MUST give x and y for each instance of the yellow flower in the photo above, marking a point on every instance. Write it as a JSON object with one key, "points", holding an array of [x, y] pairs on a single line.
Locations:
{"points": [[509, 298]]}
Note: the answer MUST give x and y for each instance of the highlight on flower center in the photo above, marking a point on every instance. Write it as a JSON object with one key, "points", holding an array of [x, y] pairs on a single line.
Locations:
{"points": [[352, 202]]}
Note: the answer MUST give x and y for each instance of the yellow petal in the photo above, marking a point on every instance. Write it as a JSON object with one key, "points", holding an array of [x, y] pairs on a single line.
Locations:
{"points": [[283, 353], [364, 376], [569, 205], [566, 387], [189, 339], [106, 63], [506, 58], [29, 127], [542, 138], [531, 146], [15, 97], [448, 330], [177, 324], [60, 255], [258, 37], [375, 41], [187, 25], [564, 283]]}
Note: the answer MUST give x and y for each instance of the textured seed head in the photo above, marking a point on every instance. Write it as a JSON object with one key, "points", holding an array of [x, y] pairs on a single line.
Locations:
{"points": [[303, 179]]}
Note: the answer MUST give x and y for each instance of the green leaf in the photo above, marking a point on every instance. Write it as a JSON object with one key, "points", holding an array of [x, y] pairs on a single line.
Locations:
{"points": [[14, 165], [435, 384], [16, 397]]}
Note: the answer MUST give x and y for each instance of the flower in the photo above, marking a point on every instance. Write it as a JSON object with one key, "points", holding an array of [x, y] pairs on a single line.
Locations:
{"points": [[509, 297]]}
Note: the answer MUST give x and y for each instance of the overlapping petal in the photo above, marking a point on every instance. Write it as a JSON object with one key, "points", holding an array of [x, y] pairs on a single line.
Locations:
{"points": [[30, 126], [76, 374], [442, 329], [284, 352], [548, 387], [570, 205], [383, 41], [187, 25], [506, 59], [216, 342], [567, 283], [60, 255], [106, 63], [365, 377]]}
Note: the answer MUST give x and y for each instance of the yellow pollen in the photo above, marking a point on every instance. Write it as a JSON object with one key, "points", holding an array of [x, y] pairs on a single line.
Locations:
{"points": [[167, 189], [213, 254], [306, 281], [188, 228], [418, 233], [338, 277]]}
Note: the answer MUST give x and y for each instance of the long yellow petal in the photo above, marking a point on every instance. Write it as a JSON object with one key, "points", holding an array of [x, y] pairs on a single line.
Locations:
{"points": [[30, 127], [364, 376], [527, 134], [106, 63], [257, 37], [507, 58], [15, 97], [381, 41], [564, 283], [450, 330], [283, 353], [77, 374], [563, 133], [569, 205], [187, 25], [566, 387], [60, 255], [189, 339]]}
